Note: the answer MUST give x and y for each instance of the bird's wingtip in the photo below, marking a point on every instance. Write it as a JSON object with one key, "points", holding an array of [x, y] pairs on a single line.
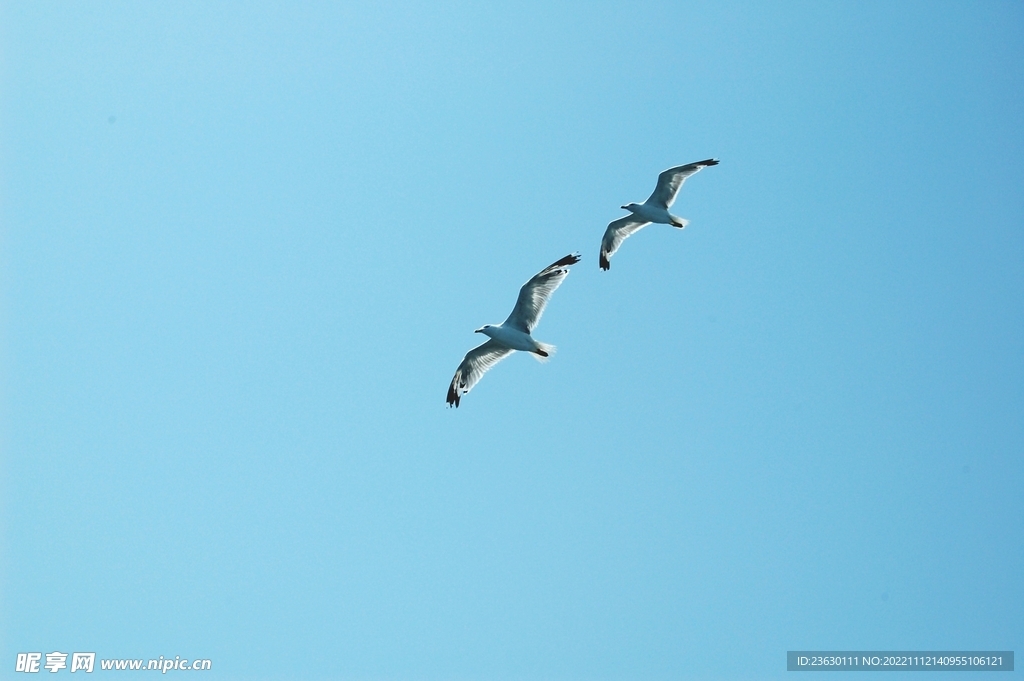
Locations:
{"points": [[570, 259], [453, 396]]}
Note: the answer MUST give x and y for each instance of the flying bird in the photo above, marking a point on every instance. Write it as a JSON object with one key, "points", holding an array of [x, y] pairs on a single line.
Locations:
{"points": [[654, 209], [514, 333]]}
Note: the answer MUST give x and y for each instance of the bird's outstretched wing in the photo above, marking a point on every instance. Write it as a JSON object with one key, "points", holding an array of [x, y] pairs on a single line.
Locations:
{"points": [[474, 365], [616, 233], [672, 179], [534, 294]]}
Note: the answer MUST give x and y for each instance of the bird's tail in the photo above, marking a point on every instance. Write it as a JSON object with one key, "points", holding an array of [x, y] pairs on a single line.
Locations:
{"points": [[542, 353], [679, 222]]}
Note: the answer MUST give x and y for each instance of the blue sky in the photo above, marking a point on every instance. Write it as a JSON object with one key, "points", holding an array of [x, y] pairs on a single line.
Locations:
{"points": [[244, 248]]}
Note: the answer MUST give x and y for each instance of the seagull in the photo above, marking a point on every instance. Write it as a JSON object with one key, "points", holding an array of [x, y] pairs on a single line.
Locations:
{"points": [[654, 209], [514, 333]]}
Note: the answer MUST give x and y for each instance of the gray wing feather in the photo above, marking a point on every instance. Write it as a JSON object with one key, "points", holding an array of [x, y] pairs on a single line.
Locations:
{"points": [[671, 180], [616, 233], [534, 295], [474, 365]]}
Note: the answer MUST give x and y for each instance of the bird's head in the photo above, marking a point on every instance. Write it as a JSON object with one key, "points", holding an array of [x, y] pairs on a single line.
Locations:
{"points": [[631, 207], [483, 329]]}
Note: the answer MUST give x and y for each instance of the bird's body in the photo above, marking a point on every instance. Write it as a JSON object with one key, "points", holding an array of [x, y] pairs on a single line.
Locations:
{"points": [[514, 333], [654, 209], [657, 214], [515, 339]]}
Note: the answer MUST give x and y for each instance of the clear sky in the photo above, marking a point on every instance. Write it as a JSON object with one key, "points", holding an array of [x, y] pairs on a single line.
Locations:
{"points": [[245, 246]]}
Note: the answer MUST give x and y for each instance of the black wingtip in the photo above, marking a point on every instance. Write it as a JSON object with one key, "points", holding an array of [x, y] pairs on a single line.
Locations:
{"points": [[453, 396], [709, 162], [570, 259], [604, 262]]}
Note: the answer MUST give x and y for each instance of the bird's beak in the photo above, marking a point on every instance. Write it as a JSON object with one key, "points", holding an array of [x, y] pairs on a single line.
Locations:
{"points": [[479, 331], [623, 208]]}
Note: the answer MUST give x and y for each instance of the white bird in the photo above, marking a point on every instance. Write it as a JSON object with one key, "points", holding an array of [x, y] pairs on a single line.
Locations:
{"points": [[654, 209], [514, 333]]}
